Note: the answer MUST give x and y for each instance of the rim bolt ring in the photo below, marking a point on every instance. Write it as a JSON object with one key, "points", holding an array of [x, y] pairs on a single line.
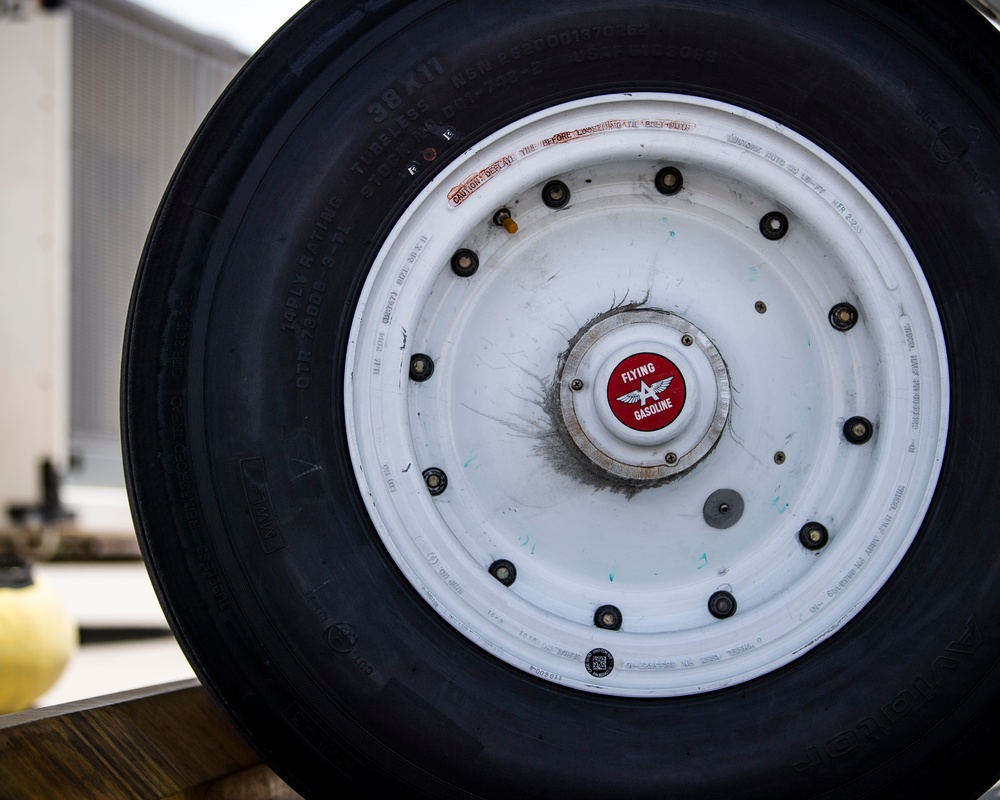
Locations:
{"points": [[814, 536], [843, 316], [421, 367], [464, 263], [436, 480], [858, 430], [722, 605], [774, 225], [504, 571], [555, 194], [608, 617]]}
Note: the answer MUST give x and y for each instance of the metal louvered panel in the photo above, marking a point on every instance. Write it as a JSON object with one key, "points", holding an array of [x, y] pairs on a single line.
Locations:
{"points": [[139, 92]]}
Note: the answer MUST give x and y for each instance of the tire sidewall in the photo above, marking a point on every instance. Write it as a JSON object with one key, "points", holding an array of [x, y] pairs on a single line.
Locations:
{"points": [[276, 579]]}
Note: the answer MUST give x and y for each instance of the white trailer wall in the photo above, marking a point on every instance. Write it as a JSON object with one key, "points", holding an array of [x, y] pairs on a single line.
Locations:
{"points": [[98, 100], [34, 248]]}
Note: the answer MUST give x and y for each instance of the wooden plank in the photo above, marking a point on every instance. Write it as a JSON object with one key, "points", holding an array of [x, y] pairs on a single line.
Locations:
{"points": [[161, 742], [256, 783]]}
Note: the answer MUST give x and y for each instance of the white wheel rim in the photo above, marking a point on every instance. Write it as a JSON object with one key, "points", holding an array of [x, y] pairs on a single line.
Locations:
{"points": [[520, 490]]}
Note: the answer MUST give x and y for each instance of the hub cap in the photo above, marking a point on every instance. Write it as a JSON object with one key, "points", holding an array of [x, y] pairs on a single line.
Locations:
{"points": [[660, 440], [659, 394]]}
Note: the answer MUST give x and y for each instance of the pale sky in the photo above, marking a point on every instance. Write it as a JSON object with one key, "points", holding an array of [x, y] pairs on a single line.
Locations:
{"points": [[245, 23]]}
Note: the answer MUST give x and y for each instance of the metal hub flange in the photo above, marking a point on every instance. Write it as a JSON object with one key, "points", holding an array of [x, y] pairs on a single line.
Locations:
{"points": [[644, 394]]}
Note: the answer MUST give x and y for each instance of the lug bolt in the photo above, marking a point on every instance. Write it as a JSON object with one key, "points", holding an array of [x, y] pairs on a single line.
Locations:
{"points": [[608, 617], [576, 385], [464, 263], [760, 306], [843, 316], [858, 430], [779, 457], [814, 536], [669, 181], [436, 480], [671, 459], [773, 225], [503, 571], [503, 219], [721, 605], [687, 340], [555, 194], [421, 367]]}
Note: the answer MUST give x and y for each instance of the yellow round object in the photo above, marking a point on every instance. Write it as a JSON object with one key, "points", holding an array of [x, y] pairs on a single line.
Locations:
{"points": [[37, 638]]}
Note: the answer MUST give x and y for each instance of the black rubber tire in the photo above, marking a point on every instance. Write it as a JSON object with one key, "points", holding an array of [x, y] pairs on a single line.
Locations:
{"points": [[300, 624]]}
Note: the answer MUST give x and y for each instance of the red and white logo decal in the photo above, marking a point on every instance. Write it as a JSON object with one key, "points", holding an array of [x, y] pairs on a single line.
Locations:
{"points": [[646, 392]]}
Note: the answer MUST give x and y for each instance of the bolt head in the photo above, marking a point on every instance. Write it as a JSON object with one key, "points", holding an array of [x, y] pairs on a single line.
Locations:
{"points": [[435, 480], [608, 617], [774, 225], [421, 367], [843, 316], [779, 457], [503, 571], [669, 181], [858, 430], [814, 536], [671, 458], [576, 385], [687, 340], [760, 306], [464, 263], [722, 605], [555, 194]]}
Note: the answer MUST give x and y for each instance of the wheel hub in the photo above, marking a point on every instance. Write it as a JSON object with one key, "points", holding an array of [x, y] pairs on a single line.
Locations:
{"points": [[644, 394]]}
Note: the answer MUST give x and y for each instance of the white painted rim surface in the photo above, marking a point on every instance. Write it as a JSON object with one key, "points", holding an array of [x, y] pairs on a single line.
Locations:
{"points": [[520, 489]]}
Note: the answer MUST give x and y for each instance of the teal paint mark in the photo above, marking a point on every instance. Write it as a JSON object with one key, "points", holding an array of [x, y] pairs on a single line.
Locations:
{"points": [[611, 575], [779, 508], [523, 540], [704, 557], [754, 274], [466, 464], [532, 550]]}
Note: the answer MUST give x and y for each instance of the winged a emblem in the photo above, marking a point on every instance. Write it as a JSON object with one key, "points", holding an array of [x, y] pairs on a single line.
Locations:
{"points": [[644, 392]]}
